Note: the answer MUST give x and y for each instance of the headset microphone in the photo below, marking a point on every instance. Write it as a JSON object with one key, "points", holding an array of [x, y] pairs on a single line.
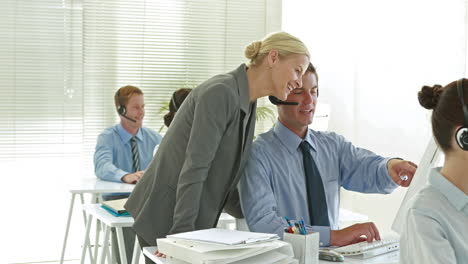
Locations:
{"points": [[277, 101]]}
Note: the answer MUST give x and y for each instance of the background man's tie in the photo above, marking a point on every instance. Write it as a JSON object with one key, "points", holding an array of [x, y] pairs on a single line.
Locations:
{"points": [[136, 162]]}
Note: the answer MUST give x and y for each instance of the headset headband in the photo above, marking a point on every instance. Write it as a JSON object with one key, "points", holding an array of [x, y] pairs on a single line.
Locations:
{"points": [[462, 100], [174, 103], [119, 100]]}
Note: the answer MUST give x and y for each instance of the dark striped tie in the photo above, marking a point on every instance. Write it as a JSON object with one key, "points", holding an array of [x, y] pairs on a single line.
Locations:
{"points": [[317, 202], [136, 163]]}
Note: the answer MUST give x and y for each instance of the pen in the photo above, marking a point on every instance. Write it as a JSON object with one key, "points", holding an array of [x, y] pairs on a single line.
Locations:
{"points": [[287, 220], [304, 232]]}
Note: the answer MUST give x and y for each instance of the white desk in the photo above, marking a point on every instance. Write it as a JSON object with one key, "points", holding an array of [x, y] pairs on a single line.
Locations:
{"points": [[109, 221], [149, 252], [389, 258], [95, 187]]}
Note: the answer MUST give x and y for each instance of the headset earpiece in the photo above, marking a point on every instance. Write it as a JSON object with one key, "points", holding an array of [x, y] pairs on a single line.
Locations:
{"points": [[462, 137], [122, 110], [462, 133]]}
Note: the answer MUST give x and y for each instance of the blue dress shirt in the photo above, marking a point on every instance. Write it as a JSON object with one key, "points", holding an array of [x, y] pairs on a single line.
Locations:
{"points": [[273, 182], [113, 156], [436, 229]]}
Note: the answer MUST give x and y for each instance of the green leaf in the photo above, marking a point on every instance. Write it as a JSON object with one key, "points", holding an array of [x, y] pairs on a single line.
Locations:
{"points": [[266, 112]]}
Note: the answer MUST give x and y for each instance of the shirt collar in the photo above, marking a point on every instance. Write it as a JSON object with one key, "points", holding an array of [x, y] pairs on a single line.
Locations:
{"points": [[290, 140], [241, 77], [125, 136], [455, 196]]}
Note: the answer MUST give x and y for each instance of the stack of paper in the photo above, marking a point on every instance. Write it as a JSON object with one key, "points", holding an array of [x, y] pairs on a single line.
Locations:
{"points": [[225, 246]]}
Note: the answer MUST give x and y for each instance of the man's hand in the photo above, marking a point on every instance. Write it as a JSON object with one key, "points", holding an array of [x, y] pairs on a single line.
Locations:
{"points": [[353, 234], [132, 178], [400, 170]]}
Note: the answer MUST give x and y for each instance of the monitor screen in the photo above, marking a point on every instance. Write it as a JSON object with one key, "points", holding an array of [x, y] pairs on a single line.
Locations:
{"points": [[429, 160]]}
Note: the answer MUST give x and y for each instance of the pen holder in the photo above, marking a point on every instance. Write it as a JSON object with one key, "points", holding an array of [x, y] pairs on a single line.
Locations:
{"points": [[305, 247]]}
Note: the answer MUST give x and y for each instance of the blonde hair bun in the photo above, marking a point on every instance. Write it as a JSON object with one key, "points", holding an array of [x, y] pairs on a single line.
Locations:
{"points": [[252, 50]]}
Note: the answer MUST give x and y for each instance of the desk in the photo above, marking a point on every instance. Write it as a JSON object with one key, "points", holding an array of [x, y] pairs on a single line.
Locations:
{"points": [[109, 221], [389, 258], [149, 252], [95, 187]]}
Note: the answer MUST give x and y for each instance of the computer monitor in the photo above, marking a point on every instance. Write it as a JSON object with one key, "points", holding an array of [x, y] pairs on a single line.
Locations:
{"points": [[429, 160], [321, 117]]}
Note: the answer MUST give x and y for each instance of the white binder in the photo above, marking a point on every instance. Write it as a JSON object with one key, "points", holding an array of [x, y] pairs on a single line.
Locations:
{"points": [[225, 236], [231, 250]]}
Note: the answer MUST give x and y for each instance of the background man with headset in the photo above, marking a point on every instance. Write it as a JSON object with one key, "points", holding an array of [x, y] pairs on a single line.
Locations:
{"points": [[296, 172], [125, 150]]}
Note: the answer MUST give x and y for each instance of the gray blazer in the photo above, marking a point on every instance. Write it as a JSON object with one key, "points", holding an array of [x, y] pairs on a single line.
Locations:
{"points": [[195, 171]]}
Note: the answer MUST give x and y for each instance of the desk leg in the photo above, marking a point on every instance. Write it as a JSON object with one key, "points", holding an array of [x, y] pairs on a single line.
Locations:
{"points": [[105, 245], [70, 212], [136, 252], [86, 223], [96, 241], [86, 240], [83, 202], [120, 238], [95, 200]]}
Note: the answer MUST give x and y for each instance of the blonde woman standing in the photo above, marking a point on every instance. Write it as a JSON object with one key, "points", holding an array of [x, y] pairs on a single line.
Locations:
{"points": [[196, 169]]}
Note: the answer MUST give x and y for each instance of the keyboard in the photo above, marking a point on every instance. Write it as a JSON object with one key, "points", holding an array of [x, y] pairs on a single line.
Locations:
{"points": [[367, 250]]}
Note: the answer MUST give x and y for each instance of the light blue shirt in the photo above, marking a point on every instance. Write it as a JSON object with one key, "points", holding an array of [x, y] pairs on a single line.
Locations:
{"points": [[436, 229], [113, 156], [273, 182]]}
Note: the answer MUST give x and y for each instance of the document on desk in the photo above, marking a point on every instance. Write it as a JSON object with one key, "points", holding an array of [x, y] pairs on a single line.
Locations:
{"points": [[198, 252], [225, 236]]}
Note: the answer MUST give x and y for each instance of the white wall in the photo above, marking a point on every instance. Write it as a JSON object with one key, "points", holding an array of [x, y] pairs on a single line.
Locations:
{"points": [[372, 58], [35, 201]]}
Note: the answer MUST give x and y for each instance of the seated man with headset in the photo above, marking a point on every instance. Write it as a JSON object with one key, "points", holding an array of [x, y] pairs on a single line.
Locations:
{"points": [[123, 151], [295, 172]]}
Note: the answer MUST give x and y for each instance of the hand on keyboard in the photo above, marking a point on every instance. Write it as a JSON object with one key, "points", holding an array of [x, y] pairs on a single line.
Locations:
{"points": [[353, 234]]}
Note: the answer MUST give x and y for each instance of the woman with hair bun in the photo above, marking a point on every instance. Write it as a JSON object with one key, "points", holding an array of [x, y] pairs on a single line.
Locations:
{"points": [[436, 229], [194, 174], [176, 101]]}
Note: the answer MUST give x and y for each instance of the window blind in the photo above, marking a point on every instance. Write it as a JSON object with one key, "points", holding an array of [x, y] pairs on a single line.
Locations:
{"points": [[41, 75], [62, 61], [160, 46]]}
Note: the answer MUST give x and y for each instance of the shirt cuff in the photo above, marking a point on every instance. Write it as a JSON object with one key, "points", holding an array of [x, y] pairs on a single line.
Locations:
{"points": [[390, 183], [324, 232], [119, 174]]}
